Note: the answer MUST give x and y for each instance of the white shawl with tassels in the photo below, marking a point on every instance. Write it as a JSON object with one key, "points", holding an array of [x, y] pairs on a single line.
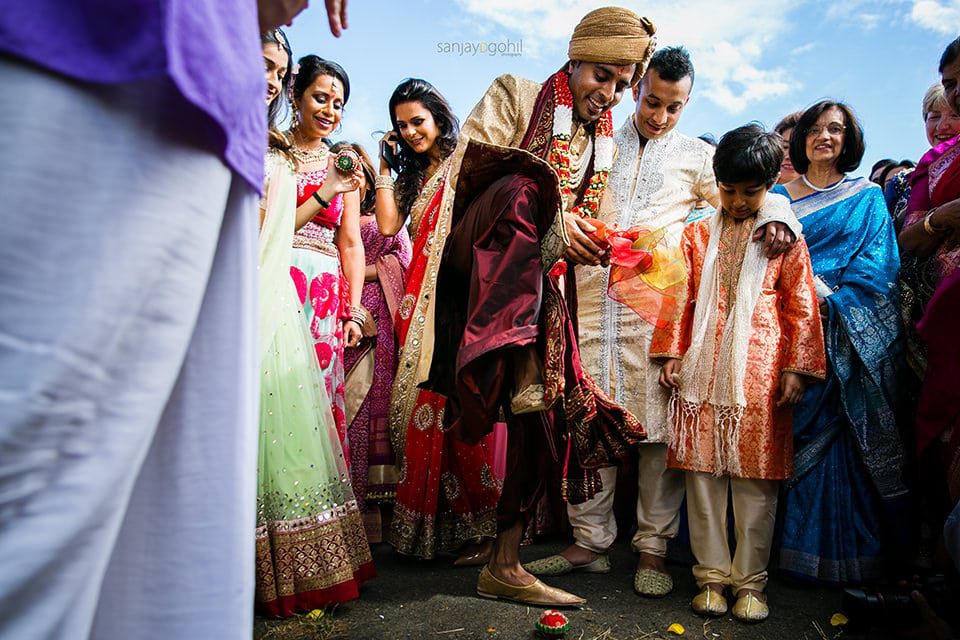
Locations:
{"points": [[727, 397]]}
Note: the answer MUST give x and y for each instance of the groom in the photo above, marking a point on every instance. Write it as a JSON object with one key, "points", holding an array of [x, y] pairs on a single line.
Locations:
{"points": [[526, 179]]}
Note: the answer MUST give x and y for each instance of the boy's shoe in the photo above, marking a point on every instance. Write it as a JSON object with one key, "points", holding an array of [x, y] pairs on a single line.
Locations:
{"points": [[709, 602], [557, 565], [652, 583], [750, 608]]}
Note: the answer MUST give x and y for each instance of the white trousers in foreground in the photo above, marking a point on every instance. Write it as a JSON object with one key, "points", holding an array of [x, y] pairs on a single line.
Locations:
{"points": [[754, 514], [658, 506], [128, 422]]}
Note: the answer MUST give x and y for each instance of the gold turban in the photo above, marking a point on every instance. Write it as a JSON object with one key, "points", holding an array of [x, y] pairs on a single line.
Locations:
{"points": [[614, 35]]}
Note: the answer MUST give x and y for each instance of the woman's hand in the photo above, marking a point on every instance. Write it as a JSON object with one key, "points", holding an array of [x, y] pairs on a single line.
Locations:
{"points": [[791, 388], [338, 182], [947, 217], [670, 374], [351, 333], [389, 139]]}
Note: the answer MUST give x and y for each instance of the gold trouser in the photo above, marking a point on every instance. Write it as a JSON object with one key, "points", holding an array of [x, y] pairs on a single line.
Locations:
{"points": [[754, 513]]}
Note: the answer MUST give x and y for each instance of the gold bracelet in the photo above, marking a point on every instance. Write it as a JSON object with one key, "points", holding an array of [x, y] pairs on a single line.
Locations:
{"points": [[383, 182], [928, 226]]}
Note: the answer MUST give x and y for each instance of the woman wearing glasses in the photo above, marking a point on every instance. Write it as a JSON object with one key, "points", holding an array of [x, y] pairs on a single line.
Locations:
{"points": [[848, 455]]}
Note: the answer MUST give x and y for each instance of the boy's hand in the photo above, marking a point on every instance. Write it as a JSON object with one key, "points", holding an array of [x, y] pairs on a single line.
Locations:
{"points": [[670, 374], [791, 388]]}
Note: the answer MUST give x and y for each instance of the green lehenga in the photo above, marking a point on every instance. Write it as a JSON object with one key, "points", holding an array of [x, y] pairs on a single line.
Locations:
{"points": [[311, 546]]}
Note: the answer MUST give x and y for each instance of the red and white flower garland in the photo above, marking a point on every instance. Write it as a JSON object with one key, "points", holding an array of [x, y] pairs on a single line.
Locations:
{"points": [[559, 155]]}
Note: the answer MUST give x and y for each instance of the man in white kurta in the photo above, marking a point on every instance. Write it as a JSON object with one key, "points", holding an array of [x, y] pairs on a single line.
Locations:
{"points": [[657, 179], [655, 182]]}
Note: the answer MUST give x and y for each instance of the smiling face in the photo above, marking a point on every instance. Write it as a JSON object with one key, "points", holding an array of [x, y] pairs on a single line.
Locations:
{"points": [[741, 200], [321, 107], [597, 88], [275, 60], [660, 103], [825, 138], [940, 123], [416, 126]]}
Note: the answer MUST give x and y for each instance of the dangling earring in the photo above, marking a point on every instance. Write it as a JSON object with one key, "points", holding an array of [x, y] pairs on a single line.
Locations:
{"points": [[296, 116]]}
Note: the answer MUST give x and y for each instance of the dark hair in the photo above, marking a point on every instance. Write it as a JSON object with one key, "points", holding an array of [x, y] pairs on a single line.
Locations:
{"points": [[672, 64], [880, 164], [277, 108], [369, 174], [748, 154], [312, 66], [951, 53], [852, 152], [788, 122], [898, 166], [413, 166], [709, 138]]}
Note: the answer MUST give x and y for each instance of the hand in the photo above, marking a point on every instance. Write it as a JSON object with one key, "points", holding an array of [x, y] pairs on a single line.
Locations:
{"points": [[351, 333], [777, 238], [338, 182], [670, 374], [337, 16], [791, 388], [582, 249], [388, 139], [275, 13], [947, 217], [934, 625]]}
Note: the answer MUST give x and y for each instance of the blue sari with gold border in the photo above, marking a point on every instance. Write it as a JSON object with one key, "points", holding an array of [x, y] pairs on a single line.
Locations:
{"points": [[848, 457]]}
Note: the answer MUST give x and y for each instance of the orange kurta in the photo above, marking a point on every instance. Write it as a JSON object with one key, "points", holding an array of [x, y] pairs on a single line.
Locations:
{"points": [[786, 335]]}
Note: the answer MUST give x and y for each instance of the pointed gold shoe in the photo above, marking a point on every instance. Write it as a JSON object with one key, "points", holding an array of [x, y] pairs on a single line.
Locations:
{"points": [[709, 602], [537, 593], [750, 608]]}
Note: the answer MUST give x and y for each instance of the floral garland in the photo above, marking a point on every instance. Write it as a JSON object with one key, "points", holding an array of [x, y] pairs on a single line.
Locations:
{"points": [[559, 155]]}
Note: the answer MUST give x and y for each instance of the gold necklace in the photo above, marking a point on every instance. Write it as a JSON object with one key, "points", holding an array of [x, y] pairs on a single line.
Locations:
{"points": [[308, 156]]}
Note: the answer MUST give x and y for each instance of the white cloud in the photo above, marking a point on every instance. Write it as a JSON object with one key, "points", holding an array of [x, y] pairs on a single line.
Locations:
{"points": [[943, 17], [729, 40]]}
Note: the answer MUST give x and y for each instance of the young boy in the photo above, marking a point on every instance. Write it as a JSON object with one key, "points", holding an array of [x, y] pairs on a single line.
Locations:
{"points": [[737, 357]]}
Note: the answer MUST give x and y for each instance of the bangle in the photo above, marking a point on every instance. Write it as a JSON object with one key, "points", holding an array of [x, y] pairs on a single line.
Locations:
{"points": [[323, 203], [358, 315], [383, 182], [928, 226]]}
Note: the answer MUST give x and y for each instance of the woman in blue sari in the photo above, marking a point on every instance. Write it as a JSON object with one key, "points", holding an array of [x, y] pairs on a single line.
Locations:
{"points": [[848, 457]]}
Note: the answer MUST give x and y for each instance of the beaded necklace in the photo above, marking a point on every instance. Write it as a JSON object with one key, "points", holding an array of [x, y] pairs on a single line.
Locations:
{"points": [[559, 155]]}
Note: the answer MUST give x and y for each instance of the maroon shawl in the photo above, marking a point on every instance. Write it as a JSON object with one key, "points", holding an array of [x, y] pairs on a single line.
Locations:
{"points": [[494, 297]]}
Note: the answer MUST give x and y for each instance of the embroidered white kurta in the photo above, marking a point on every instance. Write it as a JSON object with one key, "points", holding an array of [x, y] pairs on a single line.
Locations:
{"points": [[656, 186]]}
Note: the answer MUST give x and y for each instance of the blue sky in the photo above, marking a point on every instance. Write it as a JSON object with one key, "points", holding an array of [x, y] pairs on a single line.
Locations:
{"points": [[755, 59]]}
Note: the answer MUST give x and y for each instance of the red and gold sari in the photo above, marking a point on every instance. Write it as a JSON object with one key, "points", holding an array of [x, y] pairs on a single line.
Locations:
{"points": [[447, 492]]}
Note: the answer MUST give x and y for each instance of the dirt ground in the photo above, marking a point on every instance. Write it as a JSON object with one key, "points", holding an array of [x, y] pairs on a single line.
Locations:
{"points": [[412, 599]]}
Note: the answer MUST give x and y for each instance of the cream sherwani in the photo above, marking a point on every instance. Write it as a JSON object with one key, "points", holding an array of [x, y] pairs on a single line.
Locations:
{"points": [[656, 185]]}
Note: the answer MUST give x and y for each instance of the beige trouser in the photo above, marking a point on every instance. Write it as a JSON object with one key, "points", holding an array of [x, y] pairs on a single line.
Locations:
{"points": [[658, 506], [754, 512]]}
